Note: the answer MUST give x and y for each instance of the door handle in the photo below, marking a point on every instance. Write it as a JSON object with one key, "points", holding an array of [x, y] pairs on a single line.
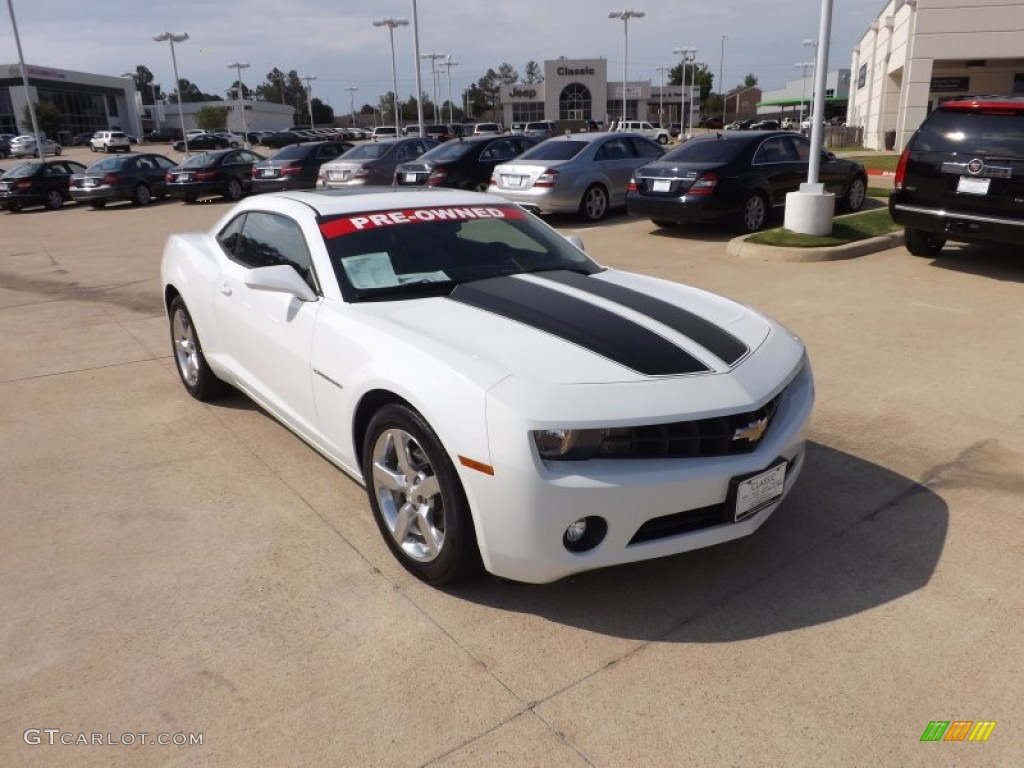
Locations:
{"points": [[224, 288]]}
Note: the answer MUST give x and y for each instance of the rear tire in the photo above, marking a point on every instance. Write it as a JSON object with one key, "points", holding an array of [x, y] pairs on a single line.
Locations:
{"points": [[853, 201], [594, 205], [54, 200], [234, 190], [753, 213], [97, 204], [196, 376], [141, 195], [923, 244]]}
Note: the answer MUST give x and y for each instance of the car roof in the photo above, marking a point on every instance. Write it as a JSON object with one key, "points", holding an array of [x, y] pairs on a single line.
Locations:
{"points": [[371, 199]]}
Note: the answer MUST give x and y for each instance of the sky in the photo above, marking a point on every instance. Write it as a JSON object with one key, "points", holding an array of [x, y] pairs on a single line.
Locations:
{"points": [[336, 41]]}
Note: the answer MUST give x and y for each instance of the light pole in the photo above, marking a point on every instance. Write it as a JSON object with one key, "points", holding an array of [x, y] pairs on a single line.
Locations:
{"points": [[391, 23], [238, 66], [309, 97], [813, 44], [695, 93], [721, 76], [625, 16], [661, 95], [172, 39], [352, 101], [689, 56], [448, 64], [433, 76], [416, 62], [803, 87]]}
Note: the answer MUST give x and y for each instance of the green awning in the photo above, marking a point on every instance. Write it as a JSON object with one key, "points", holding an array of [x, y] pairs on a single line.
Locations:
{"points": [[797, 102]]}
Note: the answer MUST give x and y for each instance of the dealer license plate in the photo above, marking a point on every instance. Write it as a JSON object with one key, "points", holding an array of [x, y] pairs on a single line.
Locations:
{"points": [[513, 181], [268, 172], [92, 182], [661, 185], [184, 177], [969, 185], [762, 490], [410, 178]]}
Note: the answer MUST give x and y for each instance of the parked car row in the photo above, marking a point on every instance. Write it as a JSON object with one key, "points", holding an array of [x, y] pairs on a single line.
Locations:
{"points": [[736, 176]]}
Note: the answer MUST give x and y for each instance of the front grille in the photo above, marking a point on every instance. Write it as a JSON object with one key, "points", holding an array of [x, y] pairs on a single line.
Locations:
{"points": [[719, 436]]}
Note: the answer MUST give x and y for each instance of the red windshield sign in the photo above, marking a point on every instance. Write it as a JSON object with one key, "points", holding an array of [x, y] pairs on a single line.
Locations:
{"points": [[348, 224]]}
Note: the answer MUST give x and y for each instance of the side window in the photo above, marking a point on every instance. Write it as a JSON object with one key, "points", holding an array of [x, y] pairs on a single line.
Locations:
{"points": [[801, 147], [228, 237], [232, 158], [406, 152], [646, 149], [615, 149], [774, 150], [269, 239], [163, 163], [327, 152], [499, 150]]}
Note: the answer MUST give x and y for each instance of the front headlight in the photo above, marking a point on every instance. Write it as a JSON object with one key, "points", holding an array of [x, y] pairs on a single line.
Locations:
{"points": [[568, 444]]}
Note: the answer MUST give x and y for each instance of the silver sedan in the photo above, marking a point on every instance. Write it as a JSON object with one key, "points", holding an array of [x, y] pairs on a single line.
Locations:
{"points": [[585, 172], [25, 146]]}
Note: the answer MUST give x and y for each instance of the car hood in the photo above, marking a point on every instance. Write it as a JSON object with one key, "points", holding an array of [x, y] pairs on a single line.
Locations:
{"points": [[566, 328]]}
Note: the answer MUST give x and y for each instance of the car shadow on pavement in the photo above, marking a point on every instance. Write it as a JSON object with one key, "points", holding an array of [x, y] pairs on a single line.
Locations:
{"points": [[998, 262], [852, 536]]}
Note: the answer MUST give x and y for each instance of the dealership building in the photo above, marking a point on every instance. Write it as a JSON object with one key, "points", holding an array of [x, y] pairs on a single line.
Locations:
{"points": [[920, 53]]}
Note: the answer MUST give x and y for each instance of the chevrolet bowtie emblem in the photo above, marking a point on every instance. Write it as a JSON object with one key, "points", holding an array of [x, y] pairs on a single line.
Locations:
{"points": [[752, 432]]}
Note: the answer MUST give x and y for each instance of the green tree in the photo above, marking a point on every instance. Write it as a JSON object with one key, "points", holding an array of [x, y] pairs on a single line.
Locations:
{"points": [[323, 114], [212, 118], [144, 83], [533, 74], [47, 115], [507, 74], [705, 79], [490, 87], [750, 80]]}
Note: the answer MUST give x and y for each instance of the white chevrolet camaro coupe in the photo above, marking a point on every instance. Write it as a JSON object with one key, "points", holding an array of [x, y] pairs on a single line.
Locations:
{"points": [[505, 400]]}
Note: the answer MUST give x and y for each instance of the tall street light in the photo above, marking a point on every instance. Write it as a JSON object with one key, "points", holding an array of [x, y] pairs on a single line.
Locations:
{"points": [[433, 75], [689, 56], [24, 79], [352, 101], [238, 66], [625, 16], [172, 39], [448, 64], [721, 76], [416, 62], [804, 65], [309, 97], [661, 95], [813, 44], [391, 23]]}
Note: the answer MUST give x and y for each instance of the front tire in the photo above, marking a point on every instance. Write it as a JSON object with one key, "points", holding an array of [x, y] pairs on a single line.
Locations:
{"points": [[753, 213], [663, 139], [196, 376], [924, 244], [594, 205], [416, 497]]}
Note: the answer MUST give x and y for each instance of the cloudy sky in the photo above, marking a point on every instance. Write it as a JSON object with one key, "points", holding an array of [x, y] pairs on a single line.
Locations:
{"points": [[335, 40]]}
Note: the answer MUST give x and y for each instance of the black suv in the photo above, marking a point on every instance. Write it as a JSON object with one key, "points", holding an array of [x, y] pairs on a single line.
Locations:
{"points": [[961, 177]]}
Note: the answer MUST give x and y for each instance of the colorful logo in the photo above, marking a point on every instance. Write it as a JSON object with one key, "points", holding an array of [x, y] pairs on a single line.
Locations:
{"points": [[958, 730]]}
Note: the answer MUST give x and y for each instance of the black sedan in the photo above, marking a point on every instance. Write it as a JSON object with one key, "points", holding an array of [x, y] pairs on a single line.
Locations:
{"points": [[462, 163], [138, 177], [738, 176], [224, 172], [37, 184], [203, 141], [296, 166], [280, 139]]}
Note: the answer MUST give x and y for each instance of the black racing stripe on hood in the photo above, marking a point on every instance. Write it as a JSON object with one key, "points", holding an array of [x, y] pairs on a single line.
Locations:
{"points": [[579, 322], [716, 340]]}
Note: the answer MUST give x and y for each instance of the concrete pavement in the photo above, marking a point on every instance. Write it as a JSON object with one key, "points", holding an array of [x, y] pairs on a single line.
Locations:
{"points": [[170, 567]]}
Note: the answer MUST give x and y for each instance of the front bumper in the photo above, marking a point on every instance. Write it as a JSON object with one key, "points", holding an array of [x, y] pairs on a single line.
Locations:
{"points": [[523, 510]]}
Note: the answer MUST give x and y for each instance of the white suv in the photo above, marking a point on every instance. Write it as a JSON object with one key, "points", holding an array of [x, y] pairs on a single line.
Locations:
{"points": [[644, 128], [110, 141]]}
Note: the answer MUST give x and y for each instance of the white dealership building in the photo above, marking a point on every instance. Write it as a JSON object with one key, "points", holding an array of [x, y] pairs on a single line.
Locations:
{"points": [[920, 53]]}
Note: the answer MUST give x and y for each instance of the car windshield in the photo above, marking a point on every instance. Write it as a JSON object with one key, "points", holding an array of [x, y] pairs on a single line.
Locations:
{"points": [[410, 253], [446, 153], [709, 151], [560, 149], [21, 171], [204, 160], [973, 133], [366, 152]]}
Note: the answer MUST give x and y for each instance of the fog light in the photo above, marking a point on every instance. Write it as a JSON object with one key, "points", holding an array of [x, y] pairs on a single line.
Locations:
{"points": [[575, 531], [585, 534]]}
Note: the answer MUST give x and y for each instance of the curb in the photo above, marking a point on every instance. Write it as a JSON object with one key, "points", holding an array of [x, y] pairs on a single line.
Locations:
{"points": [[740, 248]]}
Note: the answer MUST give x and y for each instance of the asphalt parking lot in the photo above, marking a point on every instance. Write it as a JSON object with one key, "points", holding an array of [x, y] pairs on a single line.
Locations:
{"points": [[170, 567]]}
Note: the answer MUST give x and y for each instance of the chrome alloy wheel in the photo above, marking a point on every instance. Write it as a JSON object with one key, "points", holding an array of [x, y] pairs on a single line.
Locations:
{"points": [[409, 495], [186, 350], [754, 213]]}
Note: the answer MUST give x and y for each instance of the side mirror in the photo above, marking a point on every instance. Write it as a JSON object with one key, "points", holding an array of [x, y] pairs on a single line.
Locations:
{"points": [[829, 156], [280, 278], [577, 241]]}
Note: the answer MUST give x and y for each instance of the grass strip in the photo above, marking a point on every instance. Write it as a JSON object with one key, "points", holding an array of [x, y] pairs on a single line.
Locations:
{"points": [[845, 229]]}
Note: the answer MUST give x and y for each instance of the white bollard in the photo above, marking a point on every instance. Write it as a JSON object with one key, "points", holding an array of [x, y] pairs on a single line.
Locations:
{"points": [[809, 211]]}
